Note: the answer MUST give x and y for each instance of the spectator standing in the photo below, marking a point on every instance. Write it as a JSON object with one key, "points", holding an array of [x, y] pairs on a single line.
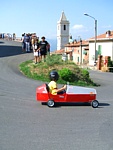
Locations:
{"points": [[43, 47], [27, 42], [2, 35], [30, 35], [23, 43], [33, 43], [36, 50], [14, 36], [48, 49]]}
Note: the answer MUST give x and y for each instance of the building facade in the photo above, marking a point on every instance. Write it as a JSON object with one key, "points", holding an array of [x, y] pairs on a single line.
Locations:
{"points": [[78, 52], [104, 46]]}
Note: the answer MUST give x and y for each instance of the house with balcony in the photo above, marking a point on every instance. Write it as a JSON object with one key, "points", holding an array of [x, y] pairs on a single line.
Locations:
{"points": [[104, 46]]}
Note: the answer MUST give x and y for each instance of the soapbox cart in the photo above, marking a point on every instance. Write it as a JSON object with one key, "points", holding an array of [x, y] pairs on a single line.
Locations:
{"points": [[73, 94]]}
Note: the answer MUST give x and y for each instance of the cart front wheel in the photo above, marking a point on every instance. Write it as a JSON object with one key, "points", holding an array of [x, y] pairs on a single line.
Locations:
{"points": [[94, 104], [51, 103]]}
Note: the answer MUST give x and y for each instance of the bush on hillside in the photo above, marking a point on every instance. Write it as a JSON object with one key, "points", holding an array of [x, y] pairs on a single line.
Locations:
{"points": [[110, 64], [67, 75], [80, 76], [52, 60]]}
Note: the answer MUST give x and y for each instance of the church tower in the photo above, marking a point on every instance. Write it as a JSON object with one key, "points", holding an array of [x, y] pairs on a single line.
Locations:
{"points": [[62, 32]]}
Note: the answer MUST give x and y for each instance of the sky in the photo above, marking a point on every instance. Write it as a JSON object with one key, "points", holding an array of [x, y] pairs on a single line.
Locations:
{"points": [[29, 16]]}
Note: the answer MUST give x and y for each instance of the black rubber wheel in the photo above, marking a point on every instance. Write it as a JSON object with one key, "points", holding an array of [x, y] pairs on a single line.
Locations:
{"points": [[94, 104], [43, 103], [50, 103]]}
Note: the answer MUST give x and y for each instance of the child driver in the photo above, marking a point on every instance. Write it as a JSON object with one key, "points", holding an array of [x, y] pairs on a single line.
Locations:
{"points": [[53, 85]]}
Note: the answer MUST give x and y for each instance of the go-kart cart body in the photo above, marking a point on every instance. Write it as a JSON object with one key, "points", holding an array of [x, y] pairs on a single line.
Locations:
{"points": [[72, 94]]}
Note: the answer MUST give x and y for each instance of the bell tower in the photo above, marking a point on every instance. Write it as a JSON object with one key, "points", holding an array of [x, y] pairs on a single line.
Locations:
{"points": [[62, 31]]}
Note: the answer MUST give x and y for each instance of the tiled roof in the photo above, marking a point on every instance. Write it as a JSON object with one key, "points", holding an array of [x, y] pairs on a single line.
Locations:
{"points": [[106, 36], [77, 44], [59, 51]]}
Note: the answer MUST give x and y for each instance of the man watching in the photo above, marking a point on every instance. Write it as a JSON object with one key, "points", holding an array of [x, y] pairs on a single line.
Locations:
{"points": [[43, 47]]}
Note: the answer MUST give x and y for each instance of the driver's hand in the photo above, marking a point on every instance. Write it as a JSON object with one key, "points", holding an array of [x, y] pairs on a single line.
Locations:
{"points": [[65, 86]]}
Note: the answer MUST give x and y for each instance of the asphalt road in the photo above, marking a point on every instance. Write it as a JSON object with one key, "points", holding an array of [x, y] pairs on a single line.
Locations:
{"points": [[25, 124]]}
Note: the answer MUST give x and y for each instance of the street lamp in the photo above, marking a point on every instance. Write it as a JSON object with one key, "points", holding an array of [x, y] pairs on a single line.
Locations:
{"points": [[95, 35], [81, 51], [80, 40]]}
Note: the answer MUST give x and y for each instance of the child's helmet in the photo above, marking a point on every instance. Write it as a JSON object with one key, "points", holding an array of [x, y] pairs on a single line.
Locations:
{"points": [[54, 76]]}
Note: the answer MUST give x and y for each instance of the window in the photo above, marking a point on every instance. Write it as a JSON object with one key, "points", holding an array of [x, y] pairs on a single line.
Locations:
{"points": [[78, 59], [64, 27], [85, 52], [99, 49], [71, 58]]}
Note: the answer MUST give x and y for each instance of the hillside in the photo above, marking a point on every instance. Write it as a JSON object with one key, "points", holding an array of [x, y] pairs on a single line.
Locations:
{"points": [[68, 71]]}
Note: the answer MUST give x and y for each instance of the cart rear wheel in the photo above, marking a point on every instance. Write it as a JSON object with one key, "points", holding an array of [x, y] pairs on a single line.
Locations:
{"points": [[51, 103], [94, 104]]}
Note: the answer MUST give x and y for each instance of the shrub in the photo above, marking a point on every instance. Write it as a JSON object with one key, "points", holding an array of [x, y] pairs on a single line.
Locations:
{"points": [[85, 73], [53, 60], [110, 64], [67, 75]]}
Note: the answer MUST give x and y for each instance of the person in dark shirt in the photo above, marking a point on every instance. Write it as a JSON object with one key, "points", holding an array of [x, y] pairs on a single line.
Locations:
{"points": [[23, 43], [43, 47], [27, 42]]}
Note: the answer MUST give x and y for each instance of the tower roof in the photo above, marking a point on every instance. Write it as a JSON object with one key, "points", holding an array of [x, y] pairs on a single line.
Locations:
{"points": [[63, 17]]}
